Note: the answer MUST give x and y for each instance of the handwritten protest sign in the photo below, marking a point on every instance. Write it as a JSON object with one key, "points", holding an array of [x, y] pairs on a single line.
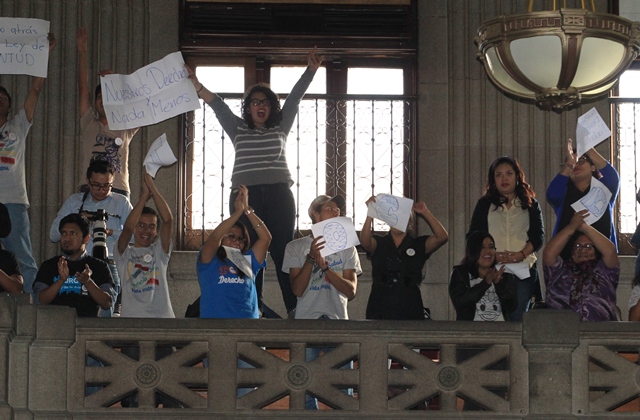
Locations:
{"points": [[590, 131], [596, 201], [24, 48], [152, 94], [394, 211], [338, 234]]}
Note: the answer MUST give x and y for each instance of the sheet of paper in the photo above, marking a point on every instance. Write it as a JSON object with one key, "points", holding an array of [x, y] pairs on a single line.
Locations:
{"points": [[24, 48], [152, 94], [520, 270], [243, 262], [596, 201], [159, 155], [392, 210], [591, 131], [338, 234]]}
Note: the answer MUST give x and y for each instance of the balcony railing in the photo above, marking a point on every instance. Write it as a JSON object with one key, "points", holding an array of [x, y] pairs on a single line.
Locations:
{"points": [[549, 365]]}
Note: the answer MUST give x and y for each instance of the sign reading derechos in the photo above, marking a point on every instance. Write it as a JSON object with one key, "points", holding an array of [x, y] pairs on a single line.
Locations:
{"points": [[152, 94]]}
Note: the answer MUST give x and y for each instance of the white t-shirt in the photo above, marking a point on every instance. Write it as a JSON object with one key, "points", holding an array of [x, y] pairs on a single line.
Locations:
{"points": [[143, 275], [13, 136], [321, 297]]}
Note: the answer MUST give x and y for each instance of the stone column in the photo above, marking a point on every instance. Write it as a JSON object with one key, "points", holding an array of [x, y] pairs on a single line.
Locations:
{"points": [[550, 337]]}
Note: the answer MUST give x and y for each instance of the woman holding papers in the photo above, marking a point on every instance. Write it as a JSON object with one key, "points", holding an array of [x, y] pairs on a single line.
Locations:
{"points": [[573, 182], [227, 264], [509, 211], [397, 260], [478, 290], [259, 139], [587, 279]]}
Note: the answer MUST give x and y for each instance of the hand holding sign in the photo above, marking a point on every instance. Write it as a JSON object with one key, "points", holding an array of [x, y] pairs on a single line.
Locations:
{"points": [[392, 210], [591, 131], [152, 94], [338, 234], [596, 201]]}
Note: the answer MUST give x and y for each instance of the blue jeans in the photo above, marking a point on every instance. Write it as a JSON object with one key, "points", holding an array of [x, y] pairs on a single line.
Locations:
{"points": [[275, 205], [19, 242], [525, 288], [108, 313]]}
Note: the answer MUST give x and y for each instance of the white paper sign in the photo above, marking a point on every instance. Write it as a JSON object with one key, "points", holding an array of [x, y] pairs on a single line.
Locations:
{"points": [[152, 94], [520, 270], [591, 131], [338, 234], [243, 262], [596, 201], [24, 48], [392, 210], [159, 155]]}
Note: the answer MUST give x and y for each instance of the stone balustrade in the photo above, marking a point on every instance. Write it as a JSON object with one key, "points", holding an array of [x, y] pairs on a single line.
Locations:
{"points": [[551, 365]]}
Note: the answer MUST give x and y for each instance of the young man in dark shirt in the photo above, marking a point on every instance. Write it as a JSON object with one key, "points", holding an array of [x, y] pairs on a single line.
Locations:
{"points": [[86, 281]]}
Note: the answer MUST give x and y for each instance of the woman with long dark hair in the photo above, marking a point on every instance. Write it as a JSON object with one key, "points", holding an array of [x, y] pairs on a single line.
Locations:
{"points": [[478, 290], [259, 139], [510, 213], [227, 284]]}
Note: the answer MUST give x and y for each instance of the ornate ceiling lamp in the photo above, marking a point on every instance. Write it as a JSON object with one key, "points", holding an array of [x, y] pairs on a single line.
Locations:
{"points": [[557, 57]]}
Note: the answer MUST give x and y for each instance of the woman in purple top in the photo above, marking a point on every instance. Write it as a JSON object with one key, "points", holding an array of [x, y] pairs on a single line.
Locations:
{"points": [[586, 280]]}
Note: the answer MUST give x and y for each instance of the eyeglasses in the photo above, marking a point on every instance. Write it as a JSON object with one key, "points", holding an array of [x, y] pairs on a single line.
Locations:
{"points": [[103, 187], [587, 247], [582, 161], [258, 102], [235, 238]]}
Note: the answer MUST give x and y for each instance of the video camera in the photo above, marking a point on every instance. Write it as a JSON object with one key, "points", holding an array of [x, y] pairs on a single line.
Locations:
{"points": [[99, 236]]}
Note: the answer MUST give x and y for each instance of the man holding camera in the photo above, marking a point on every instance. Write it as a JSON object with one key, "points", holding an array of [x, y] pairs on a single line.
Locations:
{"points": [[97, 204]]}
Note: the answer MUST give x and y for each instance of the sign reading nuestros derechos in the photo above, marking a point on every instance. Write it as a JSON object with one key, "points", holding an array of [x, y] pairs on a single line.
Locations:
{"points": [[152, 94]]}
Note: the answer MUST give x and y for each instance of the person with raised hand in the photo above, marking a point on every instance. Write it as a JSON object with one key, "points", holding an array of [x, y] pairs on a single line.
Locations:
{"points": [[228, 263], [397, 260], [259, 138], [574, 182], [586, 280], [13, 193]]}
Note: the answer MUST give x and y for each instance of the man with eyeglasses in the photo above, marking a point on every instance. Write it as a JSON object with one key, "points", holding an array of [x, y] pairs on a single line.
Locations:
{"points": [[100, 176], [574, 182], [584, 278], [13, 190], [323, 285]]}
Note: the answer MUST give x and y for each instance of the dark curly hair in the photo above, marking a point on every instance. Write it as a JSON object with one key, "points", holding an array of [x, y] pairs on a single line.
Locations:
{"points": [[276, 112], [523, 190]]}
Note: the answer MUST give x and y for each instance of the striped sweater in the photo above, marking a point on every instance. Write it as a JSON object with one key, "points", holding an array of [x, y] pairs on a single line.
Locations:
{"points": [[261, 156]]}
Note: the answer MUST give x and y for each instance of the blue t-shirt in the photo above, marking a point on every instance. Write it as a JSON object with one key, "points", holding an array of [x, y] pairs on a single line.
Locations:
{"points": [[223, 293]]}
